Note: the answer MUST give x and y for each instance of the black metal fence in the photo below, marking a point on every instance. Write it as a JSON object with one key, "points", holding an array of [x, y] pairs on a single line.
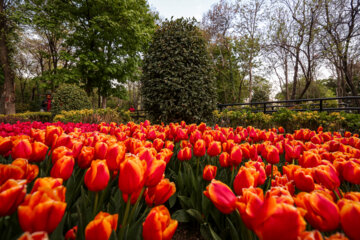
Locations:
{"points": [[335, 104]]}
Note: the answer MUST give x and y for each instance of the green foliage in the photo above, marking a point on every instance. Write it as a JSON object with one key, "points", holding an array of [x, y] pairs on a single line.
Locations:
{"points": [[26, 116], [108, 37], [290, 120], [69, 97], [93, 116], [177, 82]]}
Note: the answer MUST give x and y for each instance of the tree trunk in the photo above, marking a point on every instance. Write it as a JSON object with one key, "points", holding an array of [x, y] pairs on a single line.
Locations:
{"points": [[250, 80], [103, 103], [286, 78], [8, 94], [296, 69]]}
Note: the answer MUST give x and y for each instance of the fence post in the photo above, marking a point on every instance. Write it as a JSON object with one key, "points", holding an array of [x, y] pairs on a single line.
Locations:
{"points": [[264, 107], [321, 105]]}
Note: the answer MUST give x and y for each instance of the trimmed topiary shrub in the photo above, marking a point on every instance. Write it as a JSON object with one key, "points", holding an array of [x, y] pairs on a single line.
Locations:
{"points": [[177, 82], [69, 97]]}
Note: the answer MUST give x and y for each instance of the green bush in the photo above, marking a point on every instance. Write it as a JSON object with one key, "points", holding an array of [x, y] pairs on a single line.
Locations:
{"points": [[26, 116], [290, 120], [93, 116], [177, 82], [69, 97]]}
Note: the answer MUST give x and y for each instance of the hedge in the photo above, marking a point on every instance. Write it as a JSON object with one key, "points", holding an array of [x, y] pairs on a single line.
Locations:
{"points": [[93, 116], [26, 116], [290, 120]]}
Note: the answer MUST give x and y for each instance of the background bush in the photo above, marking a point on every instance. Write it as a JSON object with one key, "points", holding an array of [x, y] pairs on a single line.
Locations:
{"points": [[26, 116], [290, 120], [69, 97], [93, 116], [177, 82]]}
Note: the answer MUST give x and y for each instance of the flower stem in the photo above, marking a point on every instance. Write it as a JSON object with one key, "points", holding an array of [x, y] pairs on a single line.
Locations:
{"points": [[271, 177], [124, 222], [336, 194], [96, 203], [136, 204]]}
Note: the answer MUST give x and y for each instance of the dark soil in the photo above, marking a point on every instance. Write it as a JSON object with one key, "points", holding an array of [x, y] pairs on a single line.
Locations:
{"points": [[188, 231]]}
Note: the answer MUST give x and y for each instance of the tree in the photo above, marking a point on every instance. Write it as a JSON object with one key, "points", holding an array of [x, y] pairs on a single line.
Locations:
{"points": [[250, 15], [177, 82], [262, 89], [108, 37], [8, 23], [341, 40]]}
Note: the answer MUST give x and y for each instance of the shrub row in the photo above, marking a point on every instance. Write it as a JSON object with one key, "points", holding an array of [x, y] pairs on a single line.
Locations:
{"points": [[290, 120], [93, 116], [26, 116]]}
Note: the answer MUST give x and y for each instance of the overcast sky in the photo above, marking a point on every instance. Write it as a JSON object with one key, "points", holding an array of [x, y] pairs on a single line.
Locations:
{"points": [[181, 8]]}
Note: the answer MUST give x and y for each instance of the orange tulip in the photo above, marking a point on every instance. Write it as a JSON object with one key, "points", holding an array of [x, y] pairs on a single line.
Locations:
{"points": [[47, 182], [246, 177], [158, 224], [39, 151], [42, 210], [63, 168], [337, 236], [97, 176], [283, 223], [304, 180], [115, 155], [51, 134], [313, 235], [209, 172], [236, 155], [199, 148], [101, 149], [132, 174], [101, 227], [155, 172], [224, 160], [272, 154], [322, 213], [5, 145], [214, 148], [85, 157], [21, 149], [184, 154], [158, 144], [327, 176], [221, 196], [12, 193], [350, 218], [160, 193], [59, 152], [309, 159], [351, 171], [18, 169], [34, 236]]}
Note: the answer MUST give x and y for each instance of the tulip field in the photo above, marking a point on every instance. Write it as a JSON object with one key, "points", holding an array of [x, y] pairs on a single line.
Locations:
{"points": [[140, 181]]}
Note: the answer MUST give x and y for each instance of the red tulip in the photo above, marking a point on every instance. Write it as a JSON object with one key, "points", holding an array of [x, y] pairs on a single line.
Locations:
{"points": [[132, 174], [199, 148], [209, 172], [97, 176], [85, 157], [214, 149], [158, 224], [321, 212], [184, 154], [63, 168], [115, 155], [101, 227], [221, 196], [42, 210], [12, 193], [350, 217], [236, 156], [21, 149], [160, 193]]}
